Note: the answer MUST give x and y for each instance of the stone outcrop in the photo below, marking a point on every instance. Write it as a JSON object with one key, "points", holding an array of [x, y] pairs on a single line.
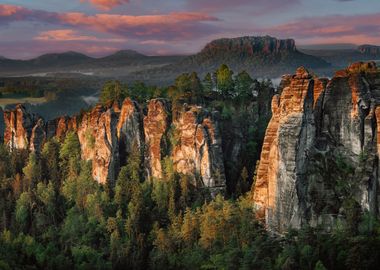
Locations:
{"points": [[97, 134], [320, 149], [18, 128], [156, 125], [130, 129], [38, 136], [250, 45], [197, 147], [109, 134]]}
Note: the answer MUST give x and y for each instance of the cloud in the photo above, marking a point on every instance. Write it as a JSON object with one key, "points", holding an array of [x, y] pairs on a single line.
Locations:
{"points": [[171, 26], [106, 4], [64, 35], [72, 35], [256, 7], [337, 28]]}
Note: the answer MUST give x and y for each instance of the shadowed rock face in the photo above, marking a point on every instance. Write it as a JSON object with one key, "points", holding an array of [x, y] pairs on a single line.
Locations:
{"points": [[129, 129], [108, 135], [322, 136]]}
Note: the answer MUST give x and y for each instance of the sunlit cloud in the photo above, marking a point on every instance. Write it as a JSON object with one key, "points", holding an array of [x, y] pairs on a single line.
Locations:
{"points": [[106, 4]]}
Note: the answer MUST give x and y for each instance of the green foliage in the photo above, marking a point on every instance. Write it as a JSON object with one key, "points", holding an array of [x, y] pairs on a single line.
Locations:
{"points": [[113, 91], [224, 80]]}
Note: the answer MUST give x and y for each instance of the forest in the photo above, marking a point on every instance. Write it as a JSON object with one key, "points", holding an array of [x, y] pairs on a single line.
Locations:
{"points": [[53, 215]]}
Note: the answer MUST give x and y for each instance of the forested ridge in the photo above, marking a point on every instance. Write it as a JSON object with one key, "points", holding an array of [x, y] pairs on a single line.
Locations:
{"points": [[53, 215]]}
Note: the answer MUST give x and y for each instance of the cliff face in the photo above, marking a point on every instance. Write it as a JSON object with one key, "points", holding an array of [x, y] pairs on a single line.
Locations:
{"points": [[18, 128], [197, 148], [320, 149], [156, 124], [108, 135], [97, 134], [250, 46], [129, 129]]}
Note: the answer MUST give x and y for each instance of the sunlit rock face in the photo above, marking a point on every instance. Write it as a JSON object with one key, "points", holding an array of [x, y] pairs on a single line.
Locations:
{"points": [[156, 125], [109, 134], [18, 128], [97, 134], [38, 136], [64, 124], [320, 150], [197, 148]]}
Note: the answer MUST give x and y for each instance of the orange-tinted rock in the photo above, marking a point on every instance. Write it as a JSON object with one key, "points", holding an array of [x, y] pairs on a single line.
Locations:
{"points": [[38, 137], [129, 127], [198, 150], [318, 128], [98, 139], [156, 124], [18, 128], [64, 125], [286, 141]]}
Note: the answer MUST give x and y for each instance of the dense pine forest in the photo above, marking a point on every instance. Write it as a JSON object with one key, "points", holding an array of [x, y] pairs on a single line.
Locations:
{"points": [[53, 215]]}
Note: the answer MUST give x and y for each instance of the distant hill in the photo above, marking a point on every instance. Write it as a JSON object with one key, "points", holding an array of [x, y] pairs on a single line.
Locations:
{"points": [[265, 56], [340, 58], [118, 64], [260, 56]]}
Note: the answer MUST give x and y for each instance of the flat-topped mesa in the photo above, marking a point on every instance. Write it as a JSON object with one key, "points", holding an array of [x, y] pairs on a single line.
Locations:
{"points": [[286, 141], [319, 134], [197, 151], [156, 125], [250, 45], [18, 128], [97, 135]]}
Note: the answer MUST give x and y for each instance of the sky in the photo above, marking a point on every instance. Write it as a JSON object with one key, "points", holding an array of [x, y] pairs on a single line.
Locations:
{"points": [[29, 28]]}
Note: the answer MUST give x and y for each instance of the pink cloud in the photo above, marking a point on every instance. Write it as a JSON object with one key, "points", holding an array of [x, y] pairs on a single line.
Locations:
{"points": [[106, 4], [352, 28], [173, 25], [63, 35], [255, 7], [72, 35]]}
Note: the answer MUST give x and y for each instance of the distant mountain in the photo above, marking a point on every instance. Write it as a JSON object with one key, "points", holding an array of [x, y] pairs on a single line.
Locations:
{"points": [[369, 50], [343, 57], [60, 59], [334, 46], [260, 56], [118, 64]]}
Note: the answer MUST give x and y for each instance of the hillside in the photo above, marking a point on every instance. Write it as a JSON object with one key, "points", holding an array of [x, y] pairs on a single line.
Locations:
{"points": [[260, 56], [340, 58]]}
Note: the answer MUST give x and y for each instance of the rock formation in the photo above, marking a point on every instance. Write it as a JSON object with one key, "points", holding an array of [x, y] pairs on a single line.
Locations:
{"points": [[130, 129], [18, 128], [97, 134], [197, 148], [109, 134], [156, 124], [320, 149]]}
